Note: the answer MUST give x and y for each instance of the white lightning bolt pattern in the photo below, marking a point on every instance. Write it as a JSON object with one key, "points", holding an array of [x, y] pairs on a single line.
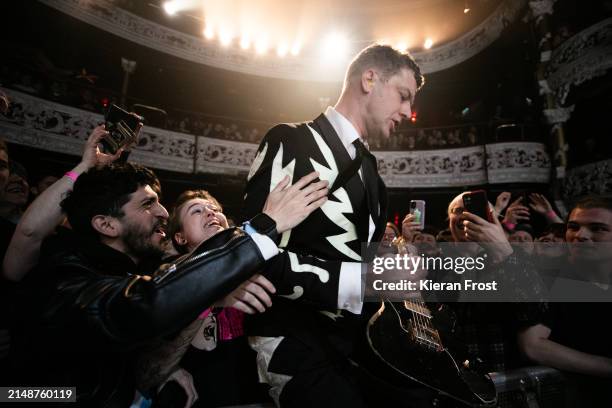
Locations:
{"points": [[335, 210], [297, 267], [297, 292], [257, 161], [278, 174], [333, 316]]}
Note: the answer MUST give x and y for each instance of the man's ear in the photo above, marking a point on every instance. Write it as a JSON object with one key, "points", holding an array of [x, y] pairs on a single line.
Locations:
{"points": [[180, 239], [367, 80], [106, 225]]}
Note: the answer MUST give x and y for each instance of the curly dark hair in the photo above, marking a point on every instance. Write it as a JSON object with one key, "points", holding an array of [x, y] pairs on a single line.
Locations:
{"points": [[105, 191]]}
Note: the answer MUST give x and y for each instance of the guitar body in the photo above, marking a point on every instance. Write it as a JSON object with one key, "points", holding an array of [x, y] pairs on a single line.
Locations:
{"points": [[402, 336]]}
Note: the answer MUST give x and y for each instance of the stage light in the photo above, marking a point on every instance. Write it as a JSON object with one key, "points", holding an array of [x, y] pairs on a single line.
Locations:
{"points": [[413, 117], [209, 32], [261, 46], [245, 42], [295, 50], [466, 10], [428, 43], [402, 46], [335, 47], [281, 51], [225, 37], [171, 7]]}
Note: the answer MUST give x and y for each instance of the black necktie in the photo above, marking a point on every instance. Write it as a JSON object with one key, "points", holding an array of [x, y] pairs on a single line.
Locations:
{"points": [[370, 177]]}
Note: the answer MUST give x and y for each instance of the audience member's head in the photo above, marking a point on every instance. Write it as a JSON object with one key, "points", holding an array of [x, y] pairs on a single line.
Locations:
{"points": [[119, 205], [391, 233], [444, 236], [552, 233], [196, 217], [42, 183], [550, 242], [589, 229], [522, 237], [425, 240], [455, 221], [17, 189]]}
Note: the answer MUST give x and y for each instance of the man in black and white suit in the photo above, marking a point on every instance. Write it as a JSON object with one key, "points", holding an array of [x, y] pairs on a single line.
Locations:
{"points": [[306, 342]]}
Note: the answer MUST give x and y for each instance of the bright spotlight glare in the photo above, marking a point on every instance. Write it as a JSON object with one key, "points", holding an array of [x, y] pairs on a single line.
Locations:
{"points": [[466, 10], [209, 33], [401, 47], [225, 38], [245, 43], [170, 7], [335, 45], [428, 43], [261, 46], [295, 50], [281, 51]]}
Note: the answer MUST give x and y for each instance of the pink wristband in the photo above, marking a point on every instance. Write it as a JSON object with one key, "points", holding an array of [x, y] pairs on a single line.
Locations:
{"points": [[509, 225], [71, 175]]}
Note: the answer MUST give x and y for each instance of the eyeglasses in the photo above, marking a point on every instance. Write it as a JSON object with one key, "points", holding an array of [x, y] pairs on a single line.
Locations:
{"points": [[457, 210]]}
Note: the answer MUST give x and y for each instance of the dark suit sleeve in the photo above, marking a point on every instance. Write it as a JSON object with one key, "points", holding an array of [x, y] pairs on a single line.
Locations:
{"points": [[296, 275]]}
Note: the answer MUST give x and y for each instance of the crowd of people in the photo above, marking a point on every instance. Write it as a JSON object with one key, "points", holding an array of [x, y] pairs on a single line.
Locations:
{"points": [[106, 290]]}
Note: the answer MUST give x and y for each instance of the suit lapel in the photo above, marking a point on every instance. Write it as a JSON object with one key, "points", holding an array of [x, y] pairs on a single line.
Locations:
{"points": [[354, 187], [326, 130]]}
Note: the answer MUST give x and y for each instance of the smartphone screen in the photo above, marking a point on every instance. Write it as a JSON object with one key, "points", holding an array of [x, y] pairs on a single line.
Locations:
{"points": [[417, 208], [476, 202]]}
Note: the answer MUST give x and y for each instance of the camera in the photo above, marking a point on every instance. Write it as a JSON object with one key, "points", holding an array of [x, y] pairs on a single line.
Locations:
{"points": [[121, 126]]}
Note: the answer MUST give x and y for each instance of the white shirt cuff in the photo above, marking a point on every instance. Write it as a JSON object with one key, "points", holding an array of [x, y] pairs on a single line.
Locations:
{"points": [[266, 246], [349, 287]]}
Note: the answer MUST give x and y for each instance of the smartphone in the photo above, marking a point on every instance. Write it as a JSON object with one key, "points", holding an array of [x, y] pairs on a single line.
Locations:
{"points": [[121, 126], [417, 208], [476, 202]]}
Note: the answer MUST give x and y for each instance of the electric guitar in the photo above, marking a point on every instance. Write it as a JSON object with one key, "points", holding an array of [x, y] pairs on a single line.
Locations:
{"points": [[404, 337]]}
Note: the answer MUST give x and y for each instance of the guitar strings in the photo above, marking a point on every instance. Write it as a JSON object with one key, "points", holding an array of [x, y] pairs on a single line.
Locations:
{"points": [[422, 322]]}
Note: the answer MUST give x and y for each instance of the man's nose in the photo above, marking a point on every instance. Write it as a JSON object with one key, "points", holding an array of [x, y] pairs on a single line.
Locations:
{"points": [[406, 110], [583, 234], [160, 211]]}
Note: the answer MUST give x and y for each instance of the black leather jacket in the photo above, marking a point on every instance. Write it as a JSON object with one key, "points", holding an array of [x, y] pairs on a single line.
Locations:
{"points": [[94, 308]]}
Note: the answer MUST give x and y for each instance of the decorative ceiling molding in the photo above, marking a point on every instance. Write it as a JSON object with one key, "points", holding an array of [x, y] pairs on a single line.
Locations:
{"points": [[54, 127], [471, 43], [106, 16], [582, 57]]}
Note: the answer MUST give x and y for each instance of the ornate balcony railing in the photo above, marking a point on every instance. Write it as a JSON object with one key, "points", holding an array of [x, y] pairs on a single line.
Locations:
{"points": [[584, 56], [55, 127]]}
